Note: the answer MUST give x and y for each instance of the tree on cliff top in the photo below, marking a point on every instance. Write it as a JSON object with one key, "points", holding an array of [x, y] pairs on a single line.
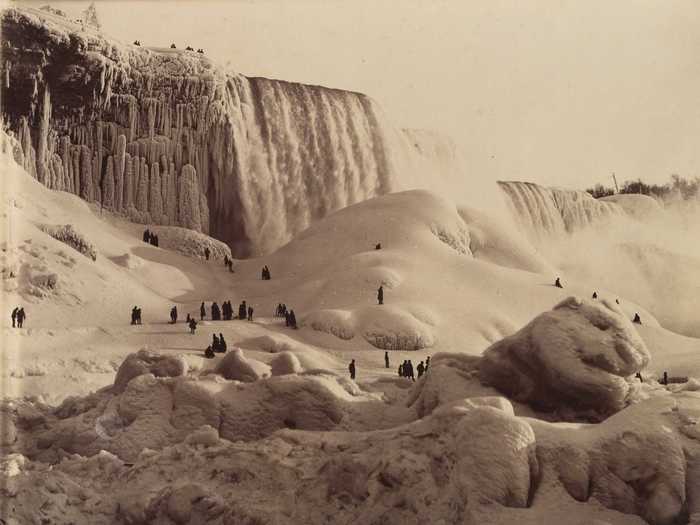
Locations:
{"points": [[90, 16]]}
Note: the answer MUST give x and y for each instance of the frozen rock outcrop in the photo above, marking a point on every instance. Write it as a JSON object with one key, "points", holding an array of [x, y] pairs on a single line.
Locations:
{"points": [[146, 362], [238, 367], [577, 357], [285, 363]]}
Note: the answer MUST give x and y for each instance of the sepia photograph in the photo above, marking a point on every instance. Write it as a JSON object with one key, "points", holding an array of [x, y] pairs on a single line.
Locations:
{"points": [[379, 262]]}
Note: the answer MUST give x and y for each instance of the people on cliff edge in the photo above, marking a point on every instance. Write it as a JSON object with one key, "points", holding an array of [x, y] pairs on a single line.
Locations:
{"points": [[557, 283], [380, 295], [637, 319], [351, 368]]}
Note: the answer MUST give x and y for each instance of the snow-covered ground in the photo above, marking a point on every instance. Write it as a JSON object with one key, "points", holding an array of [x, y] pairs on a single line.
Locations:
{"points": [[275, 431]]}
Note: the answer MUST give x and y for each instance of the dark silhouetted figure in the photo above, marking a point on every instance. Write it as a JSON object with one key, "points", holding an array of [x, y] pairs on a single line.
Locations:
{"points": [[286, 319], [386, 359], [420, 368], [404, 369], [225, 260], [209, 352], [557, 283], [202, 312], [637, 319], [201, 51], [351, 367], [133, 315], [380, 295], [230, 265], [137, 43], [215, 312], [410, 371], [146, 236], [595, 295], [292, 319], [265, 273], [401, 370], [189, 48], [21, 316], [378, 246], [14, 316], [242, 311], [138, 316], [173, 315], [638, 375], [617, 301], [155, 241], [665, 380], [222, 343], [215, 344], [427, 363], [172, 46], [206, 253], [187, 321], [250, 313], [193, 325]]}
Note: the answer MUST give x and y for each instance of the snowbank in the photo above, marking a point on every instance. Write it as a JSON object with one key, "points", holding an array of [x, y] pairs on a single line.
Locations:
{"points": [[577, 357], [146, 362]]}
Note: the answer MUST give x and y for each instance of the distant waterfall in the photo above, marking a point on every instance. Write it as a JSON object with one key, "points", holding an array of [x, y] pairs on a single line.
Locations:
{"points": [[550, 212]]}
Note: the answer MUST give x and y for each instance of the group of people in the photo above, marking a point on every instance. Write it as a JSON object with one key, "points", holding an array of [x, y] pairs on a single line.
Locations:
{"points": [[18, 317], [244, 311], [265, 273], [636, 318], [290, 319], [173, 46], [228, 263], [136, 315], [150, 237], [406, 369], [218, 345]]}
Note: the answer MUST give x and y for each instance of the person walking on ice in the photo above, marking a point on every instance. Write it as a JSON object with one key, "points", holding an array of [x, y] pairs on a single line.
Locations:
{"points": [[14, 316], [380, 295], [351, 368]]}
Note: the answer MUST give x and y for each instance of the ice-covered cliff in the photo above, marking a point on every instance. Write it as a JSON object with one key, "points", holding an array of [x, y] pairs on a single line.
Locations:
{"points": [[165, 136], [547, 212]]}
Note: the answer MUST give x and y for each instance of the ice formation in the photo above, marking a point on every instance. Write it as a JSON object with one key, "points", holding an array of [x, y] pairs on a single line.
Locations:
{"points": [[169, 138]]}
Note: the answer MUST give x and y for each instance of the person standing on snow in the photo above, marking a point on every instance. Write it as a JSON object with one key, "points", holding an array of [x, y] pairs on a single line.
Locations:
{"points": [[386, 359], [14, 316], [202, 312], [193, 325], [351, 368], [21, 316], [380, 295]]}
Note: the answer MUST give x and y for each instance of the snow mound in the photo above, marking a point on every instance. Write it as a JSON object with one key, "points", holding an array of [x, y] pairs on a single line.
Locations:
{"points": [[403, 327], [146, 362], [285, 363], [128, 260], [310, 358], [238, 367], [577, 357], [67, 234]]}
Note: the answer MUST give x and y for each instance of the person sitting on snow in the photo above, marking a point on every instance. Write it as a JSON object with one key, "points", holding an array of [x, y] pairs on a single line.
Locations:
{"points": [[209, 352], [595, 295], [557, 283], [637, 319]]}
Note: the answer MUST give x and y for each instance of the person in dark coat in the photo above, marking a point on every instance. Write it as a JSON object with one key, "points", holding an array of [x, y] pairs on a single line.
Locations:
{"points": [[557, 283], [380, 295], [187, 321], [250, 313], [147, 236], [222, 343], [400, 369], [410, 371], [173, 46], [427, 364], [638, 375], [173, 315], [378, 246], [215, 344], [215, 312], [292, 319], [242, 311], [193, 325], [386, 359], [14, 316], [133, 315], [206, 253], [637, 319], [224, 310], [287, 319], [225, 260], [617, 301], [202, 312], [404, 369], [138, 315], [420, 368], [155, 241], [595, 295], [351, 368], [209, 352], [21, 316]]}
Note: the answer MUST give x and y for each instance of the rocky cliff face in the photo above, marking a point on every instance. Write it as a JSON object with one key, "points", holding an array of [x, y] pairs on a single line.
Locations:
{"points": [[164, 136]]}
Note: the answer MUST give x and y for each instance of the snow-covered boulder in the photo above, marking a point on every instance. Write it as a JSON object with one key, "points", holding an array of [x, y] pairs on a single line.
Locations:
{"points": [[146, 362], [238, 367], [577, 357], [285, 363], [8, 430]]}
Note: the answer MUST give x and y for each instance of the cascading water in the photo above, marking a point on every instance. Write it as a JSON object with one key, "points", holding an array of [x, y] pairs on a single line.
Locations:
{"points": [[548, 212], [165, 137]]}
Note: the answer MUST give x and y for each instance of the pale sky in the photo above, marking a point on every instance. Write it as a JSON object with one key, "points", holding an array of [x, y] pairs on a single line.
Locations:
{"points": [[555, 92]]}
